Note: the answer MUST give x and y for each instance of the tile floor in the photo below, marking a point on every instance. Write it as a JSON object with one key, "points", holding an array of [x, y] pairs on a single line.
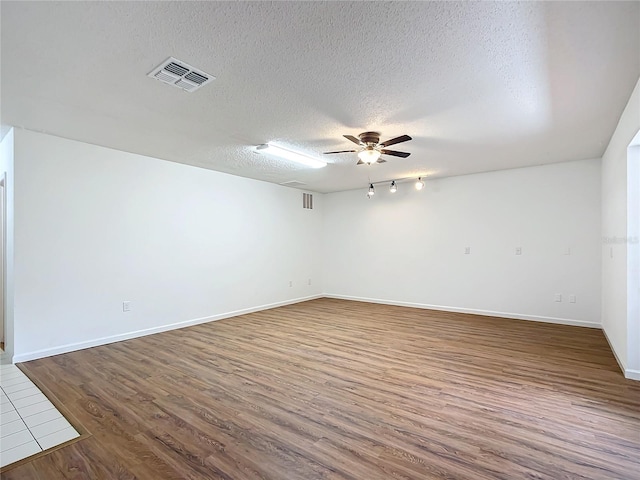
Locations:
{"points": [[29, 421]]}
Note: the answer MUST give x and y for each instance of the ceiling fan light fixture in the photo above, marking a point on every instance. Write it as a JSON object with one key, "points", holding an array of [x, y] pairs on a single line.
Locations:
{"points": [[370, 148], [369, 155], [393, 188], [371, 191], [290, 155], [419, 184]]}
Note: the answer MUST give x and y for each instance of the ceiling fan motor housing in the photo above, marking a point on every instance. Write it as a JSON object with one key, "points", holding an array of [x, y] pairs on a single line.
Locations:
{"points": [[370, 137]]}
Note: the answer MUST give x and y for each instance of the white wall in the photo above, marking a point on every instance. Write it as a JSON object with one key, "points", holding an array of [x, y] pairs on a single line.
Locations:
{"points": [[95, 227], [633, 260], [6, 169], [615, 160], [408, 247]]}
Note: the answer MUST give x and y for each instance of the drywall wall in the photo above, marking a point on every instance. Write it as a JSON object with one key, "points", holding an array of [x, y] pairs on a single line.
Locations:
{"points": [[408, 248], [633, 259], [95, 227], [6, 171], [615, 239]]}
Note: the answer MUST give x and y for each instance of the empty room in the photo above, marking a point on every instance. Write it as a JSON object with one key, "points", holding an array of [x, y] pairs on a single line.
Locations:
{"points": [[320, 240]]}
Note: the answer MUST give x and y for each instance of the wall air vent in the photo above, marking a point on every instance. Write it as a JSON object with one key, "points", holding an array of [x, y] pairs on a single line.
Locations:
{"points": [[181, 75], [307, 201]]}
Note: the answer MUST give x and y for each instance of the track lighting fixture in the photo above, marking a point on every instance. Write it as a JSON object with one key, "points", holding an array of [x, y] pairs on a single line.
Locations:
{"points": [[371, 191], [393, 186]]}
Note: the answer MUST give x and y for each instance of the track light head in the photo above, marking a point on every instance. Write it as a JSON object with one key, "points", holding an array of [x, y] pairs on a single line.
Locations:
{"points": [[371, 191], [419, 184], [393, 188]]}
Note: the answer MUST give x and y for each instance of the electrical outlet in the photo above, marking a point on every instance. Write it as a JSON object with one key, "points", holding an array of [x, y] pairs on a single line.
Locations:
{"points": [[290, 283], [467, 250], [572, 299], [567, 251], [518, 250], [557, 297], [309, 282], [126, 306]]}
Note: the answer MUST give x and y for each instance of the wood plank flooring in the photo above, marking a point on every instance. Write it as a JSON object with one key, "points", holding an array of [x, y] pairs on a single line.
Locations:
{"points": [[332, 389]]}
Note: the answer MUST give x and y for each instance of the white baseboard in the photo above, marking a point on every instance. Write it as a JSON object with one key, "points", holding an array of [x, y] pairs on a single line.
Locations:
{"points": [[621, 364], [632, 374], [487, 313], [629, 373], [71, 347]]}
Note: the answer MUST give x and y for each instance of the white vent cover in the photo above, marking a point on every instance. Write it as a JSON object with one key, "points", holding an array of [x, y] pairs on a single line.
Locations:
{"points": [[293, 183], [179, 74], [307, 201]]}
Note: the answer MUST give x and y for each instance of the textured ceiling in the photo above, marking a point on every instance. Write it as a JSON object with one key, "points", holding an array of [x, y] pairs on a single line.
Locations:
{"points": [[479, 86]]}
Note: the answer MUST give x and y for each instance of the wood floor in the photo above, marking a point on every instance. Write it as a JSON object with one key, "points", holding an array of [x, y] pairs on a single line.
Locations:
{"points": [[331, 389]]}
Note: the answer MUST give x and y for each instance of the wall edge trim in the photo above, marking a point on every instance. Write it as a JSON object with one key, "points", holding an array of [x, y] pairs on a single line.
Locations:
{"points": [[473, 311], [72, 347], [632, 374], [621, 364]]}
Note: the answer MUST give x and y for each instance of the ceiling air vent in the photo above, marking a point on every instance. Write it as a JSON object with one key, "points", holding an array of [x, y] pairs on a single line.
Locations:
{"points": [[181, 75], [293, 183]]}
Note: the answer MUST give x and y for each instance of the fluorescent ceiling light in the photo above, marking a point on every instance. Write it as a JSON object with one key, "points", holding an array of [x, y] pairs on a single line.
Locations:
{"points": [[291, 155]]}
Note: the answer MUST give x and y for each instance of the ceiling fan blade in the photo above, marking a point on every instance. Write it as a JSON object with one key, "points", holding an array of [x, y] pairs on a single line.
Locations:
{"points": [[393, 141], [395, 153], [360, 162], [353, 139], [341, 151]]}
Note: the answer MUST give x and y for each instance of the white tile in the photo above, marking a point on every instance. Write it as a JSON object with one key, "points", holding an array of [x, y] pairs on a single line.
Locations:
{"points": [[4, 399], [30, 400], [48, 428], [10, 371], [50, 441], [36, 408], [15, 439], [12, 427], [14, 381], [14, 388], [9, 417], [27, 392], [42, 417], [4, 376], [18, 453], [6, 408]]}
